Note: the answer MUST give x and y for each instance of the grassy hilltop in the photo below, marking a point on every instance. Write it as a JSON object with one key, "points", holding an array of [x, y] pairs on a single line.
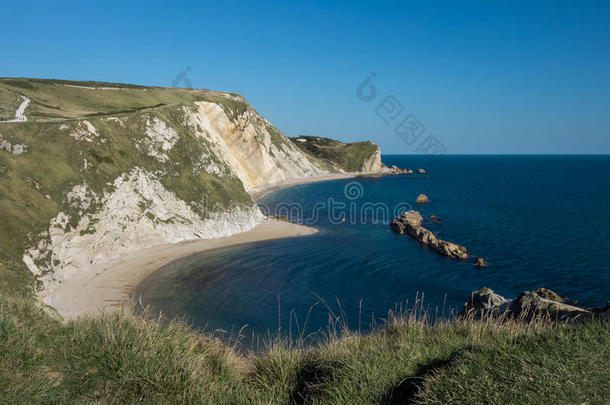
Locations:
{"points": [[346, 155], [57, 100], [127, 358]]}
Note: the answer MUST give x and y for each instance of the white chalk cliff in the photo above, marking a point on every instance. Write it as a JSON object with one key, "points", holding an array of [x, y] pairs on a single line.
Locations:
{"points": [[172, 153]]}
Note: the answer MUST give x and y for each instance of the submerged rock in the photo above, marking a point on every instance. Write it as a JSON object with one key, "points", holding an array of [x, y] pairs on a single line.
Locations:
{"points": [[421, 171], [422, 198], [410, 223], [480, 262], [434, 219]]}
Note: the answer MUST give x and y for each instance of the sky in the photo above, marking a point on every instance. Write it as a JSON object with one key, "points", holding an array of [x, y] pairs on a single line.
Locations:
{"points": [[470, 77]]}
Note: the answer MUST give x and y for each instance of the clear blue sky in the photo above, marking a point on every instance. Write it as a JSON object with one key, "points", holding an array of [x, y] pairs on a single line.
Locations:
{"points": [[483, 77]]}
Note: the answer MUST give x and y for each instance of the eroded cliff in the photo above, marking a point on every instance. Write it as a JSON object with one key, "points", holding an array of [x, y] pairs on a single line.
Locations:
{"points": [[93, 171]]}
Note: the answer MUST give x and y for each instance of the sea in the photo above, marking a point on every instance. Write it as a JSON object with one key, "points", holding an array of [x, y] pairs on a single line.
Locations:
{"points": [[538, 220]]}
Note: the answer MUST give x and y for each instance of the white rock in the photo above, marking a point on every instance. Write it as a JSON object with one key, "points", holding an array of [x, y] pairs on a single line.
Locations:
{"points": [[16, 149], [160, 139], [84, 131], [20, 113], [246, 148], [138, 213]]}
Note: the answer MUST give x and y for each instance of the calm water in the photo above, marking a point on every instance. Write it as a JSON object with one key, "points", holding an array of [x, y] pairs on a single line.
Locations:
{"points": [[538, 220]]}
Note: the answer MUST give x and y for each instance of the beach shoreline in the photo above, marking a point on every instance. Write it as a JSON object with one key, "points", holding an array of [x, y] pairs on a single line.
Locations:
{"points": [[261, 191], [110, 286]]}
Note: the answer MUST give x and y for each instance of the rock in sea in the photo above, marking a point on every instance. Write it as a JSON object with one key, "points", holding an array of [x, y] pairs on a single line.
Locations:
{"points": [[434, 219], [410, 223], [422, 198], [485, 299], [394, 170], [527, 306], [480, 262], [548, 294]]}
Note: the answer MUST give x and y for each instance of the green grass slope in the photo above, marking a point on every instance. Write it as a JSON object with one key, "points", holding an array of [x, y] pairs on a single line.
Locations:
{"points": [[348, 156], [33, 185], [126, 359], [61, 99]]}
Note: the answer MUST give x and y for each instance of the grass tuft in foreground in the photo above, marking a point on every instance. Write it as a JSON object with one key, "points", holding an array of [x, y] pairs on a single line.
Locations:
{"points": [[123, 358]]}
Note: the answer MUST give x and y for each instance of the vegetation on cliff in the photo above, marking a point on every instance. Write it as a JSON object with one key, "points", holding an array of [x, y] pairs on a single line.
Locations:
{"points": [[63, 163], [347, 156], [34, 185]]}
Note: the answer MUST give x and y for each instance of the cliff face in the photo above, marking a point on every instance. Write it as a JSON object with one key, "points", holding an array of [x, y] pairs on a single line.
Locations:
{"points": [[373, 164], [92, 171], [256, 152]]}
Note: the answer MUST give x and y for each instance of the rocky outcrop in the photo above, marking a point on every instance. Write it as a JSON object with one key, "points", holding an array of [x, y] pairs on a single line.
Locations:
{"points": [[480, 262], [140, 212], [527, 306], [485, 299], [249, 145], [395, 170], [20, 113], [16, 149], [410, 223], [373, 164], [548, 294], [421, 171], [422, 199]]}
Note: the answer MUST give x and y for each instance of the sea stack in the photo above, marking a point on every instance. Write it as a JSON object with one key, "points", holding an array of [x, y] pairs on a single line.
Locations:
{"points": [[410, 223], [422, 199]]}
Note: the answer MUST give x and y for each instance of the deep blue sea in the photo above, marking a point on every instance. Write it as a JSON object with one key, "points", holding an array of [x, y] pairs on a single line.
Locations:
{"points": [[540, 221]]}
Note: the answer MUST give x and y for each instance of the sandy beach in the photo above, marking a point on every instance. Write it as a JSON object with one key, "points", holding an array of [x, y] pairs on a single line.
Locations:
{"points": [[109, 286], [259, 192]]}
